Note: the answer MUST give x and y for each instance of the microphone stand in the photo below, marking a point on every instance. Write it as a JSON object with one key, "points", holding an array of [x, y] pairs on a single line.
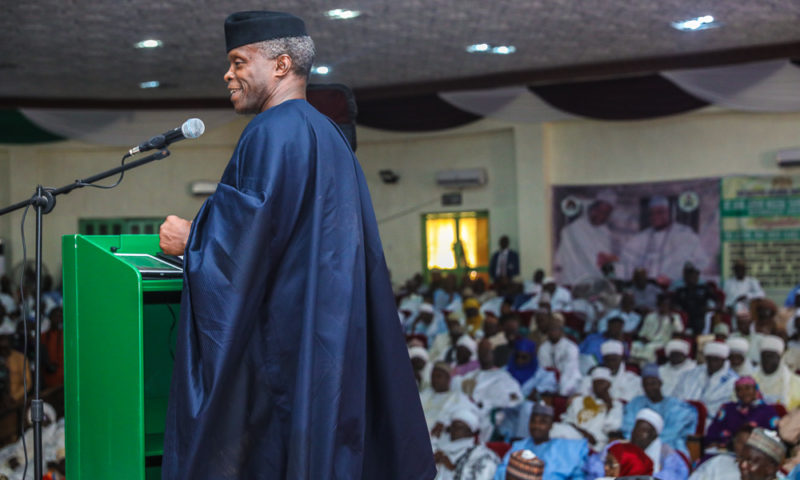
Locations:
{"points": [[44, 200]]}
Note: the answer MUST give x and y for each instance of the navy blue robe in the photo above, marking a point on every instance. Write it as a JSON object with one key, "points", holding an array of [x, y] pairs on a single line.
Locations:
{"points": [[290, 361]]}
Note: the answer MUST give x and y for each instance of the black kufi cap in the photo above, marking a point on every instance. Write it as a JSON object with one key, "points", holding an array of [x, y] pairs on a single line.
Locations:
{"points": [[243, 28]]}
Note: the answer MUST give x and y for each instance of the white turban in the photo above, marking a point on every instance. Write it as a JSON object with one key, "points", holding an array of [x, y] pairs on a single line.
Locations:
{"points": [[467, 414], [601, 373], [612, 347], [418, 352], [426, 308], [772, 343], [652, 417], [738, 345], [677, 345], [467, 341], [716, 349]]}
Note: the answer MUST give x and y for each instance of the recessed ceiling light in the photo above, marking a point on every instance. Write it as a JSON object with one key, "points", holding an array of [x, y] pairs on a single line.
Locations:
{"points": [[504, 49], [321, 70], [342, 14], [698, 23], [149, 43], [495, 49], [478, 47], [150, 84]]}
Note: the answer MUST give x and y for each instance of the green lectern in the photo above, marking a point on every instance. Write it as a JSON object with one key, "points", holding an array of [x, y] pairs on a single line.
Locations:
{"points": [[119, 336]]}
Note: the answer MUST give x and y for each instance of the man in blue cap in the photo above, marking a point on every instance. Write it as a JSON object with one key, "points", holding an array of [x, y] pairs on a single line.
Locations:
{"points": [[290, 362]]}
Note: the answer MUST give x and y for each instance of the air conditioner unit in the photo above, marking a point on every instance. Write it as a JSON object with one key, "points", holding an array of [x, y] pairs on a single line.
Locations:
{"points": [[471, 177], [789, 158]]}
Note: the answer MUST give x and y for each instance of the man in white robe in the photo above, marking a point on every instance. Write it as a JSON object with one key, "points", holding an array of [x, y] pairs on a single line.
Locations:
{"points": [[561, 353], [557, 297], [592, 416], [712, 383], [668, 464], [743, 326], [585, 241], [664, 246], [439, 397], [741, 288], [776, 382], [626, 312], [677, 351], [724, 465], [457, 455], [624, 384], [740, 364]]}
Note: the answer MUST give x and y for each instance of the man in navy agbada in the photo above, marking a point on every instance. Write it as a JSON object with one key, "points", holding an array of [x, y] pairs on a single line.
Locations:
{"points": [[290, 361]]}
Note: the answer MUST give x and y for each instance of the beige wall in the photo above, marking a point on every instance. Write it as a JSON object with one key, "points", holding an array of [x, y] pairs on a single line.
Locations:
{"points": [[523, 160]]}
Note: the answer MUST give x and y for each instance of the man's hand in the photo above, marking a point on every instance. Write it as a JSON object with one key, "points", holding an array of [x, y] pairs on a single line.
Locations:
{"points": [[174, 233]]}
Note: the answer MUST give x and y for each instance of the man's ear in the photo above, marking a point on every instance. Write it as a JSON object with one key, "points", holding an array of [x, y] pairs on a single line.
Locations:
{"points": [[283, 65]]}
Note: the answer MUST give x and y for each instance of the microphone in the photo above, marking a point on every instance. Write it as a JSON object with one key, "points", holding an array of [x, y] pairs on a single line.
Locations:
{"points": [[191, 128]]}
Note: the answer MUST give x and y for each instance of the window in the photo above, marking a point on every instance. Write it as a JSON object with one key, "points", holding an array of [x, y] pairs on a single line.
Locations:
{"points": [[456, 242], [119, 226]]}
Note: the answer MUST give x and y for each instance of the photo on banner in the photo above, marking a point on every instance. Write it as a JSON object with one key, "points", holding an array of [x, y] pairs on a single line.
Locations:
{"points": [[659, 226], [761, 225]]}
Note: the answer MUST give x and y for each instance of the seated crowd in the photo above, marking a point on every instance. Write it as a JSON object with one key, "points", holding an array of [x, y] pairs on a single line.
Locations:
{"points": [[17, 331], [674, 380]]}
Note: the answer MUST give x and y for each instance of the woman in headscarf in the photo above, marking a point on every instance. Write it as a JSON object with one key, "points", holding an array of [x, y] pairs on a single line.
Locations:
{"points": [[749, 408], [522, 363], [624, 459]]}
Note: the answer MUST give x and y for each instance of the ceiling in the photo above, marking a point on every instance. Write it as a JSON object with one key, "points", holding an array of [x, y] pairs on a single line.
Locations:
{"points": [[82, 51]]}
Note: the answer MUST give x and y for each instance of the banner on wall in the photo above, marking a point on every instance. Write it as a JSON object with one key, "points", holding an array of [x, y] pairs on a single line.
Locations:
{"points": [[658, 226], [761, 224]]}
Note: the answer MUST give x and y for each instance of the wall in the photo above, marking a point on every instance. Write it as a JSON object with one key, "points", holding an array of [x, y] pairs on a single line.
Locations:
{"points": [[416, 159]]}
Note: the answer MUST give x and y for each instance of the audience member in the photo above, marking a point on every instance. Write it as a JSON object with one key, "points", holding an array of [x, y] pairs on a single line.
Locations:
{"points": [[712, 383], [439, 397], [645, 294], [743, 328], [560, 353], [680, 418], [748, 409], [503, 341], [668, 464], [16, 364], [739, 347], [762, 456], [455, 451], [678, 361], [624, 384], [778, 384], [563, 458], [626, 312], [625, 459], [522, 363], [593, 417], [442, 346], [557, 297], [504, 263], [590, 346], [657, 329], [421, 365], [694, 298], [466, 356], [725, 464], [741, 288]]}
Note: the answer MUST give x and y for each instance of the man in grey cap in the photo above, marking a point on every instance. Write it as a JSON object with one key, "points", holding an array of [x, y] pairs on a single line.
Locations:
{"points": [[289, 361], [665, 245], [762, 456]]}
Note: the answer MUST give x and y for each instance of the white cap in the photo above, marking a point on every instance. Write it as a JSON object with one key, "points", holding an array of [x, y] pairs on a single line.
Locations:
{"points": [[652, 417], [467, 341], [606, 195], [738, 345], [772, 343], [601, 373], [548, 280], [612, 347], [467, 414], [677, 345], [716, 349], [426, 308], [418, 352]]}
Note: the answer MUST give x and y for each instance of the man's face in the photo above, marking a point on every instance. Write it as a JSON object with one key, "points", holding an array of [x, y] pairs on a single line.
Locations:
{"points": [[418, 363], [739, 441], [739, 270], [511, 328], [652, 388], [754, 465], [454, 327], [250, 79], [743, 324], [614, 329], [736, 359], [713, 364], [522, 359], [676, 358], [770, 361], [440, 380], [643, 434], [555, 332], [463, 354], [490, 326], [600, 387], [539, 427], [746, 393], [459, 430], [659, 217], [640, 277], [599, 213], [425, 318], [485, 356], [612, 362]]}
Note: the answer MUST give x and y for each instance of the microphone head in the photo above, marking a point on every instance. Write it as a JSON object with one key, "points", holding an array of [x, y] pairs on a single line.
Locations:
{"points": [[193, 128]]}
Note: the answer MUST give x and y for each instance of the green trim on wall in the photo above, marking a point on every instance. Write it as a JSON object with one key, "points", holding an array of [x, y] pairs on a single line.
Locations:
{"points": [[16, 128]]}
